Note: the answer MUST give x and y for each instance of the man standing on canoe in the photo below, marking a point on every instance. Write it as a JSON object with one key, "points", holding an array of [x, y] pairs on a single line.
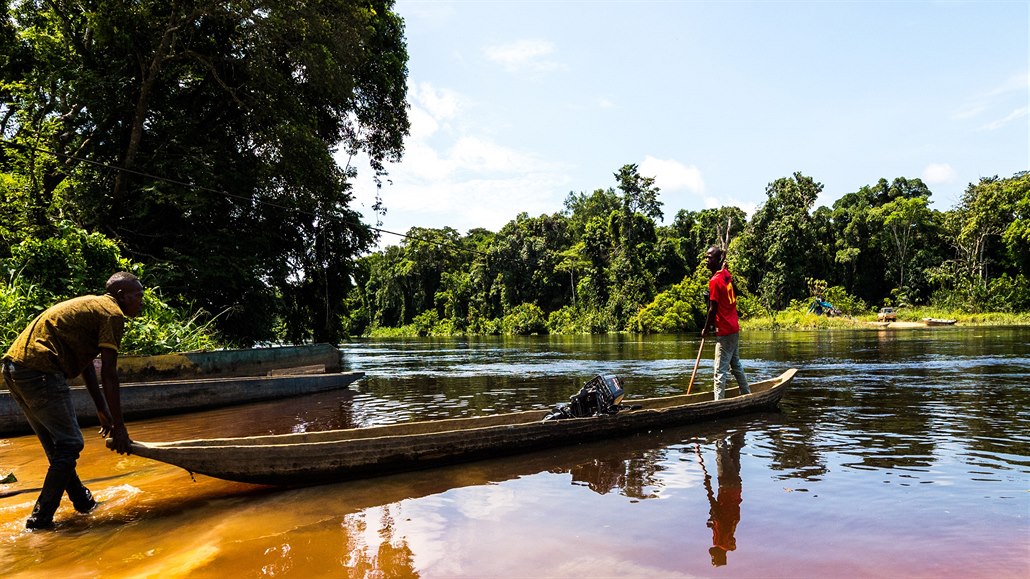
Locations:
{"points": [[58, 345], [722, 315]]}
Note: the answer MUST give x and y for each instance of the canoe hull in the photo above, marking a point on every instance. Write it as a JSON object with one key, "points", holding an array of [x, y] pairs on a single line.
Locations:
{"points": [[332, 456], [148, 399], [226, 363]]}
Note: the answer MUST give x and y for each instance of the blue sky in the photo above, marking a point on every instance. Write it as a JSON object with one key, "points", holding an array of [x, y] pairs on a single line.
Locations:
{"points": [[515, 104]]}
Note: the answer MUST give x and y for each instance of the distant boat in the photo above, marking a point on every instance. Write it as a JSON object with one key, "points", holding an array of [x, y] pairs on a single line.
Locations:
{"points": [[309, 458], [146, 399], [938, 322]]}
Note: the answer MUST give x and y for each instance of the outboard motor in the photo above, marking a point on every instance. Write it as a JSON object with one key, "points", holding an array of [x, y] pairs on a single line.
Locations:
{"points": [[600, 395]]}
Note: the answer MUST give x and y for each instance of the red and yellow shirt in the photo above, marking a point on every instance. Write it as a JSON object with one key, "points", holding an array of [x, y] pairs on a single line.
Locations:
{"points": [[721, 289]]}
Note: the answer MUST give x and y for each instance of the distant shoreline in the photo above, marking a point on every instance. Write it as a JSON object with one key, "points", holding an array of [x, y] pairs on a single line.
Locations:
{"points": [[810, 322]]}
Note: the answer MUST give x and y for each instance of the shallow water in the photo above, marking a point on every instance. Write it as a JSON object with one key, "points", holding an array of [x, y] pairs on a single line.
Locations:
{"points": [[895, 454]]}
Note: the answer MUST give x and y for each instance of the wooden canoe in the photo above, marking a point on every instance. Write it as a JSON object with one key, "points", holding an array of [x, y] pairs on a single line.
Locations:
{"points": [[146, 399], [938, 322], [305, 358], [339, 455]]}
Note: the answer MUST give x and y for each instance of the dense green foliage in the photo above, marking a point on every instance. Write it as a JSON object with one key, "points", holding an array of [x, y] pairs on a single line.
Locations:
{"points": [[44, 272], [604, 264], [202, 137]]}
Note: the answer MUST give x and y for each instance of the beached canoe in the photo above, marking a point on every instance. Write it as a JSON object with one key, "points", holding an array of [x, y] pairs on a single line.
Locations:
{"points": [[146, 399], [938, 322], [305, 358], [339, 455]]}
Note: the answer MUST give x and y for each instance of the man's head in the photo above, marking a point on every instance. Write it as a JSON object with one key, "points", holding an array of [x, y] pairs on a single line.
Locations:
{"points": [[128, 291], [714, 258]]}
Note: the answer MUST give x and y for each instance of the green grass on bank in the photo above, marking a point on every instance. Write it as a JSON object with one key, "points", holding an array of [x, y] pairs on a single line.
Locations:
{"points": [[794, 320], [805, 321]]}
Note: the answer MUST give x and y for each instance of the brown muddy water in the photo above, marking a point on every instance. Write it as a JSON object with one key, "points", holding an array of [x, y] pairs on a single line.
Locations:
{"points": [[897, 453]]}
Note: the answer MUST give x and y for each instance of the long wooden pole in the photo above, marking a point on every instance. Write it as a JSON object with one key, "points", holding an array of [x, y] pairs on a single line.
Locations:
{"points": [[696, 364]]}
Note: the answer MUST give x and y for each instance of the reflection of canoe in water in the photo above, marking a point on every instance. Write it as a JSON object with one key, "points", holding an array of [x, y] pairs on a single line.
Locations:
{"points": [[337, 455], [146, 399], [938, 322]]}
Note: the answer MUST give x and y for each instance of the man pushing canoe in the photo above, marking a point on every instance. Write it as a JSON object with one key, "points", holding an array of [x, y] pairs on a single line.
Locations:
{"points": [[58, 345]]}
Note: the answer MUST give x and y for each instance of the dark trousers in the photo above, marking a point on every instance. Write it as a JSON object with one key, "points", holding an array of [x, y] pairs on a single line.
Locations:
{"points": [[46, 401]]}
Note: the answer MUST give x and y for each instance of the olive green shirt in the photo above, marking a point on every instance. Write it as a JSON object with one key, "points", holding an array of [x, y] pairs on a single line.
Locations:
{"points": [[69, 335]]}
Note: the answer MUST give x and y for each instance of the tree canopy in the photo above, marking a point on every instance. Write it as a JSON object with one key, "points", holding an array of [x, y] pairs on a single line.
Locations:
{"points": [[605, 264], [203, 136]]}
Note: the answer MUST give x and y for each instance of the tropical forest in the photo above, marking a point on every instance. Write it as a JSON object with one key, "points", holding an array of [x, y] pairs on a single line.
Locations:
{"points": [[198, 145]]}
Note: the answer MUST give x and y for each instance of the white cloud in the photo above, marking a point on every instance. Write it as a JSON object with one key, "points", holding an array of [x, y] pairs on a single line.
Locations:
{"points": [[670, 175], [442, 104], [423, 125], [479, 155], [1013, 116], [968, 111], [422, 163], [748, 207], [451, 177], [465, 203], [527, 54], [938, 174], [1015, 85], [1018, 82]]}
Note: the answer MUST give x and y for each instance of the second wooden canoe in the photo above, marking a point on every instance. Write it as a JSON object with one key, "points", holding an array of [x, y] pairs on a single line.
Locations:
{"points": [[146, 399], [304, 358], [339, 455]]}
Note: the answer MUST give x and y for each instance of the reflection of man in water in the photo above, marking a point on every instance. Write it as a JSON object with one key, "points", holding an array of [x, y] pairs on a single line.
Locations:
{"points": [[725, 511]]}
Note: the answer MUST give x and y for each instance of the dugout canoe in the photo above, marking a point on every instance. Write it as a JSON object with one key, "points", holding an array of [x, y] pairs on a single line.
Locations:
{"points": [[938, 322], [338, 455], [273, 360], [148, 399]]}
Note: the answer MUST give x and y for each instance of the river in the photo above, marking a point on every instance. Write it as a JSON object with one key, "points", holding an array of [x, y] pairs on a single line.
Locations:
{"points": [[896, 453]]}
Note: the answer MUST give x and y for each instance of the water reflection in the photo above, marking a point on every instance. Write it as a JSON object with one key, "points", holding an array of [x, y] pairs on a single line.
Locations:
{"points": [[869, 417], [725, 507], [392, 558]]}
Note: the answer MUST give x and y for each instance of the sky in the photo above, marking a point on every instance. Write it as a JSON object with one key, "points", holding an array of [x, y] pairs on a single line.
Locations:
{"points": [[516, 104]]}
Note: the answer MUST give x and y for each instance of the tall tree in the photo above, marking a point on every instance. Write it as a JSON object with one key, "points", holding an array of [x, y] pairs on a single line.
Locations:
{"points": [[862, 246], [238, 109], [1017, 234], [775, 253], [989, 220], [529, 255], [902, 220]]}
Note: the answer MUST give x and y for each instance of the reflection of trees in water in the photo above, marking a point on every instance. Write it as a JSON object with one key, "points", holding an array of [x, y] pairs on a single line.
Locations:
{"points": [[792, 445], [631, 476], [893, 419], [392, 557], [357, 553], [432, 397], [987, 412]]}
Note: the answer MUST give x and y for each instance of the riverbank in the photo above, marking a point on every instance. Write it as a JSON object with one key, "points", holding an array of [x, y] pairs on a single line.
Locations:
{"points": [[908, 318]]}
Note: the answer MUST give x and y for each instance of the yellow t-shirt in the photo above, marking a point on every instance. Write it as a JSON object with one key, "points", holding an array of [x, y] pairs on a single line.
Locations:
{"points": [[69, 335]]}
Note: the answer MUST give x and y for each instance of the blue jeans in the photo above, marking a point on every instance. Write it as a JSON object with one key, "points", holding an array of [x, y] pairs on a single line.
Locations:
{"points": [[727, 360], [46, 401]]}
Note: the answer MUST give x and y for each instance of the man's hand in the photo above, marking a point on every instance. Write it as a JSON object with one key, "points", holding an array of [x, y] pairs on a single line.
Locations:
{"points": [[122, 443], [106, 422]]}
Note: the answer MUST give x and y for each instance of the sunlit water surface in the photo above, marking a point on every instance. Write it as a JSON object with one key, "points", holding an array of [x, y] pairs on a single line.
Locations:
{"points": [[895, 454]]}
